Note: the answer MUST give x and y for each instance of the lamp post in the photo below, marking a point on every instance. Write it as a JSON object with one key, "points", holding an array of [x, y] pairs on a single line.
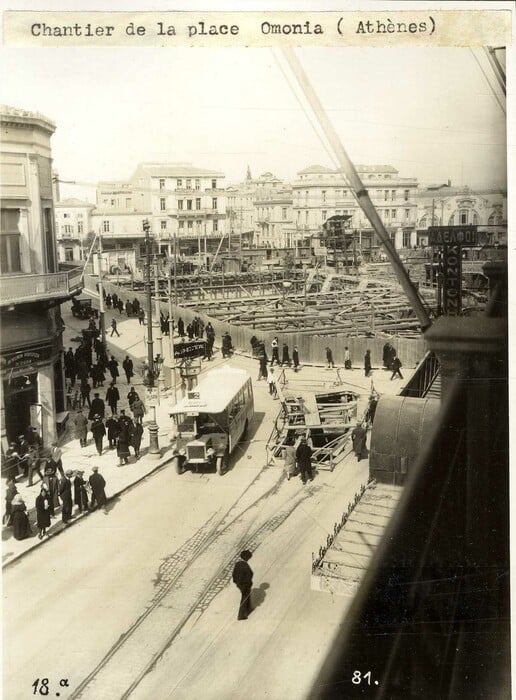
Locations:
{"points": [[102, 320], [153, 426]]}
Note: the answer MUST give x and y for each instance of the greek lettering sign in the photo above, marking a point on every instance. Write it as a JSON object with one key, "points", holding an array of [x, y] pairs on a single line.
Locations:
{"points": [[188, 349], [452, 287], [151, 396], [452, 235], [25, 358]]}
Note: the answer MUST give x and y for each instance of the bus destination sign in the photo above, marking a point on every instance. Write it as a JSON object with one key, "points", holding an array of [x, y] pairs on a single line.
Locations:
{"points": [[453, 235]]}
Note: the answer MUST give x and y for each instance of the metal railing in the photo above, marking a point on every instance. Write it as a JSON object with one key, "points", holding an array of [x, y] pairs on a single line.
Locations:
{"points": [[423, 377], [25, 288]]}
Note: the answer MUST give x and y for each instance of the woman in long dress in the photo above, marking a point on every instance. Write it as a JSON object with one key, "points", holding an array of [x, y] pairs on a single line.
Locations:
{"points": [[43, 511], [20, 519]]}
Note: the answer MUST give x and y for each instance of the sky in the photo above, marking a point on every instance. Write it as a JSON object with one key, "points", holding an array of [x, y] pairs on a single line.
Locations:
{"points": [[428, 112]]}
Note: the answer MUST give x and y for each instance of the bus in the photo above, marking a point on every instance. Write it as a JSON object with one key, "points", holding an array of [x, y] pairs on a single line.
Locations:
{"points": [[211, 419]]}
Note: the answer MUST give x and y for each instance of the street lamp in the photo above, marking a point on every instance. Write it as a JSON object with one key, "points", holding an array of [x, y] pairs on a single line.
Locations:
{"points": [[150, 373]]}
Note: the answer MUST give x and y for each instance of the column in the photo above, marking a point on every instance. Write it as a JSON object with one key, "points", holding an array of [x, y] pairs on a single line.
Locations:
{"points": [[46, 398]]}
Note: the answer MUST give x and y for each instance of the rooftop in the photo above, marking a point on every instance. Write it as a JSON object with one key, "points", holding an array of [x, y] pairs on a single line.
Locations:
{"points": [[24, 116], [215, 391], [178, 170], [322, 169]]}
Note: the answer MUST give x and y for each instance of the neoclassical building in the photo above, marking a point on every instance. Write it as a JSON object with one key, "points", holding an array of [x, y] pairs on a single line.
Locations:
{"points": [[32, 287]]}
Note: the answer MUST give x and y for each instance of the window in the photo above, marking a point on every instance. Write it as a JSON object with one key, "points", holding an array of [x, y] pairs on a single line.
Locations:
{"points": [[463, 217], [407, 214], [162, 184], [324, 214], [105, 226], [386, 214], [393, 195], [214, 202], [112, 202], [67, 228], [66, 216], [406, 239], [393, 214], [306, 217], [214, 184], [190, 225], [180, 204], [215, 226], [197, 184], [68, 254], [180, 183], [128, 202], [386, 195], [198, 203], [188, 183], [181, 225], [80, 227], [323, 192], [162, 203], [163, 225], [189, 204], [284, 213], [337, 194], [10, 259], [406, 195]]}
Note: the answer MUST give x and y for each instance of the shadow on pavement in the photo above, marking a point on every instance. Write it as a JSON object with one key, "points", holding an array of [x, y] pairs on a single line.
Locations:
{"points": [[258, 595]]}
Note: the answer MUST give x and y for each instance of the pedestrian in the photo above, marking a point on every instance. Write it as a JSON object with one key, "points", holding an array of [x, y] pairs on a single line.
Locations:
{"points": [[396, 366], [289, 465], [190, 331], [56, 454], [371, 409], [329, 358], [127, 364], [136, 439], [271, 379], [141, 317], [275, 351], [19, 518], [138, 409], [181, 327], [85, 393], [359, 438], [243, 579], [124, 439], [120, 306], [304, 460], [65, 494], [52, 484], [132, 396], [112, 431], [285, 356], [115, 300], [262, 372], [367, 363], [112, 366], [227, 345], [114, 329], [347, 358], [80, 495], [10, 493], [109, 301], [42, 511], [98, 430], [98, 485], [112, 397], [98, 407], [33, 459], [295, 358], [81, 428]]}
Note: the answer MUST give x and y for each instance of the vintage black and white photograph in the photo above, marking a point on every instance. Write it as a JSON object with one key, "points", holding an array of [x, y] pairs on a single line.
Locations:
{"points": [[254, 356]]}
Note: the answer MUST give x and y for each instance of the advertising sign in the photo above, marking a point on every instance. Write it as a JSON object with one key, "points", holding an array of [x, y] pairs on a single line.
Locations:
{"points": [[190, 348], [452, 235], [452, 280]]}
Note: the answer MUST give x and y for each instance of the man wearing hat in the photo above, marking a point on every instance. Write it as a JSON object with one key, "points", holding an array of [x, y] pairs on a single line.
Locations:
{"points": [[98, 430], [304, 460], [243, 578], [65, 493], [97, 483]]}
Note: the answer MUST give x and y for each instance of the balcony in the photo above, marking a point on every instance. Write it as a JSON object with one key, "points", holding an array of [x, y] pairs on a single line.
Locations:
{"points": [[21, 289]]}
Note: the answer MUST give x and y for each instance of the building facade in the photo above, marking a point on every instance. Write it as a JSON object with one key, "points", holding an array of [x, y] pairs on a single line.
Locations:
{"points": [[445, 205], [31, 285], [320, 192], [73, 229], [273, 207]]}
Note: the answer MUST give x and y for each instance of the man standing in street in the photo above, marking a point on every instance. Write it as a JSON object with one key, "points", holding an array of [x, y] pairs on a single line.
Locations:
{"points": [[396, 365], [98, 407], [359, 439], [367, 363], [243, 579], [127, 364], [112, 366], [65, 493], [112, 397], [304, 460], [98, 430], [114, 329], [98, 493], [81, 428], [275, 351], [329, 358]]}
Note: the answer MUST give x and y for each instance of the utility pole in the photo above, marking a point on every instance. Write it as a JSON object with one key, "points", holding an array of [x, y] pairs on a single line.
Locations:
{"points": [[102, 319], [153, 426], [157, 319]]}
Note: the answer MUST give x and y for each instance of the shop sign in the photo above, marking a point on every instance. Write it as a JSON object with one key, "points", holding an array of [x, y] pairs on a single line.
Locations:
{"points": [[189, 349], [453, 235], [25, 358], [452, 277]]}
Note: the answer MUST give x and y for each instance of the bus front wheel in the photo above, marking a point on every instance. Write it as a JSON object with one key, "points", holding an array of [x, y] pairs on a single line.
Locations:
{"points": [[220, 465]]}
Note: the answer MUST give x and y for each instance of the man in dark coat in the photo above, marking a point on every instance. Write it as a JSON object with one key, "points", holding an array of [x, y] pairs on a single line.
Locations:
{"points": [[295, 357], [98, 407], [367, 363], [85, 392], [243, 578], [359, 437], [80, 496], [127, 364], [98, 430], [112, 431], [112, 397], [136, 439], [304, 460], [112, 366], [395, 366], [181, 327], [81, 428], [98, 493], [65, 494]]}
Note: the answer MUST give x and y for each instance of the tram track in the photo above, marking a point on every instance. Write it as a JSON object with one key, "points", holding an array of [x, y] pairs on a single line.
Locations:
{"points": [[186, 583]]}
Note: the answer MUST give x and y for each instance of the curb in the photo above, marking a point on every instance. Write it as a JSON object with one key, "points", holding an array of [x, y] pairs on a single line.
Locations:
{"points": [[161, 463]]}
